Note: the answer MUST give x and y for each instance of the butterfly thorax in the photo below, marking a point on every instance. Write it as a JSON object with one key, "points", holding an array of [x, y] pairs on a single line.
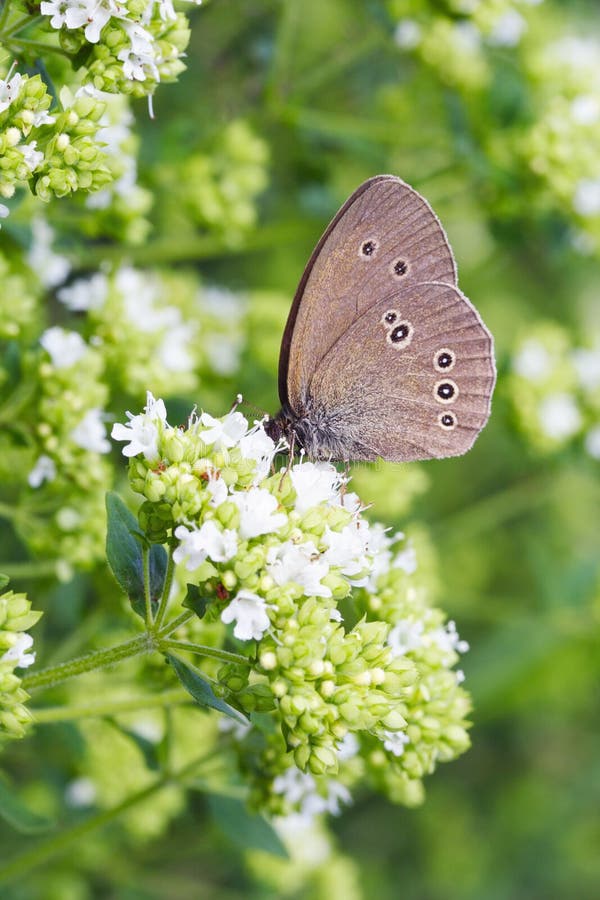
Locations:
{"points": [[320, 434]]}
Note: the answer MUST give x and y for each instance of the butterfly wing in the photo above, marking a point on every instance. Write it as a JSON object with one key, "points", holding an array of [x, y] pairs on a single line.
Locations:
{"points": [[386, 236], [412, 378]]}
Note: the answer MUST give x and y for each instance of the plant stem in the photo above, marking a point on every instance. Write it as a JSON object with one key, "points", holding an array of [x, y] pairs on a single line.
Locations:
{"points": [[45, 850], [147, 597], [49, 714], [201, 650], [4, 15], [164, 600], [99, 659], [41, 569], [41, 48], [176, 623]]}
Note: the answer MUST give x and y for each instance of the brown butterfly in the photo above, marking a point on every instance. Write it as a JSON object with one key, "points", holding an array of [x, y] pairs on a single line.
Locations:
{"points": [[382, 355]]}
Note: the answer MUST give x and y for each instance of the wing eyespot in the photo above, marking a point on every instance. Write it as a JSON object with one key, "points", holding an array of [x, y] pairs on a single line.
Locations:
{"points": [[389, 317], [444, 360], [400, 335], [399, 268], [447, 421], [445, 391], [368, 248]]}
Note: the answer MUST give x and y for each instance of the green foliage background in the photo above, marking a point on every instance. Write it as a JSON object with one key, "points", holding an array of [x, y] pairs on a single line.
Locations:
{"points": [[516, 530]]}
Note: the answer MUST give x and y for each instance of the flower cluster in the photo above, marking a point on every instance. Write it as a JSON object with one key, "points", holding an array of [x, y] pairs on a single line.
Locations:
{"points": [[455, 41], [314, 595], [16, 616], [54, 154], [555, 389], [131, 45], [216, 189]]}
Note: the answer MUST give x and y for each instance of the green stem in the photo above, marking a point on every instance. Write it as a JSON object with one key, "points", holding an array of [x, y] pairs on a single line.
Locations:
{"points": [[39, 46], [201, 650], [4, 15], [99, 659], [164, 600], [50, 714], [45, 850], [176, 623], [147, 597], [16, 26], [333, 66], [41, 569]]}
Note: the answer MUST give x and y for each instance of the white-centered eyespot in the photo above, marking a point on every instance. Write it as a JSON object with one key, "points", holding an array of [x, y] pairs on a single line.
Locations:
{"points": [[401, 334], [444, 360], [447, 421], [390, 317], [368, 248], [445, 391]]}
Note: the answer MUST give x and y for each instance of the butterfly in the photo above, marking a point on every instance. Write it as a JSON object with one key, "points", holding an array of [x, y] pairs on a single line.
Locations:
{"points": [[382, 355]]}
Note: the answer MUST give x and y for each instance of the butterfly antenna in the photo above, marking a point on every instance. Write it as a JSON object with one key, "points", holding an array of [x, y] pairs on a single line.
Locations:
{"points": [[236, 403]]}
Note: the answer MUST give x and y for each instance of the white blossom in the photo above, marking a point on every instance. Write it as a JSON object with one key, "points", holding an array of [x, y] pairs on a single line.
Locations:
{"points": [[9, 89], [44, 470], [175, 352], [408, 34], [195, 545], [80, 792], [31, 157], [223, 352], [592, 442], [4, 211], [50, 267], [301, 564], [249, 612], [90, 433], [226, 433], [347, 549], [559, 416], [448, 639], [257, 445], [300, 791], [315, 483], [348, 747], [587, 366], [406, 559], [217, 488], [142, 431], [533, 361], [508, 29], [585, 109], [405, 637], [17, 654], [258, 515], [395, 741], [586, 199], [85, 293], [64, 347]]}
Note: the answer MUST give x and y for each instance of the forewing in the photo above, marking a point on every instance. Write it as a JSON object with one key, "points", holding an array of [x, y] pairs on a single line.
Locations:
{"points": [[412, 378], [385, 237]]}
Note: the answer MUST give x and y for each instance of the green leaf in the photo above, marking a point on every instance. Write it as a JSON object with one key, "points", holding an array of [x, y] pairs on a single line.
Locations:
{"points": [[4, 579], [248, 831], [195, 601], [124, 541], [147, 748], [201, 690], [19, 816]]}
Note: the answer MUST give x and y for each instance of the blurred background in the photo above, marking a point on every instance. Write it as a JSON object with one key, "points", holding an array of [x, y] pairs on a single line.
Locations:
{"points": [[491, 109]]}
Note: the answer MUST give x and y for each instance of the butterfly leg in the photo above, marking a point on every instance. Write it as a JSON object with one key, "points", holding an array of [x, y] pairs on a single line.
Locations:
{"points": [[290, 459]]}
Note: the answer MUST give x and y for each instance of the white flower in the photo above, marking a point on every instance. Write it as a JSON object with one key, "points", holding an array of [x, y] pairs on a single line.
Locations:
{"points": [[347, 549], [448, 639], [50, 267], [142, 431], [207, 541], [234, 727], [405, 637], [17, 653], [587, 366], [90, 433], [300, 563], [533, 361], [223, 352], [175, 351], [257, 512], [559, 416], [592, 442], [395, 741], [300, 790], [585, 109], [80, 792], [217, 488], [65, 347], [348, 747], [508, 29], [226, 433], [9, 89], [44, 470], [315, 483], [4, 211], [85, 293], [586, 199], [406, 559], [249, 612], [31, 157], [460, 676], [221, 303], [257, 445], [408, 34]]}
